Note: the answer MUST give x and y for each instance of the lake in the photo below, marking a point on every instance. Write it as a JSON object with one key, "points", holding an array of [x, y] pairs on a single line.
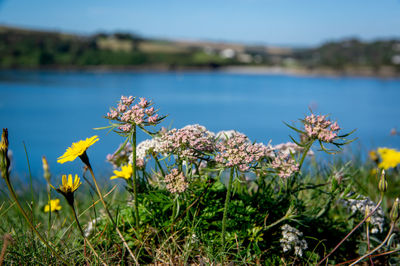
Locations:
{"points": [[48, 110]]}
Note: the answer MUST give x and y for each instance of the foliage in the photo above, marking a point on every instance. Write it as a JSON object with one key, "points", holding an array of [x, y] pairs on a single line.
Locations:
{"points": [[236, 210]]}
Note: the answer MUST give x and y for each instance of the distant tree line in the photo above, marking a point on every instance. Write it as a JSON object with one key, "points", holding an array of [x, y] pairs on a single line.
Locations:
{"points": [[352, 53], [33, 49]]}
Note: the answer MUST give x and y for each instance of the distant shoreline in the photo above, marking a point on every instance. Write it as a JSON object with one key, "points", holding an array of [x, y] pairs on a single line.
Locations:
{"points": [[320, 72], [386, 73]]}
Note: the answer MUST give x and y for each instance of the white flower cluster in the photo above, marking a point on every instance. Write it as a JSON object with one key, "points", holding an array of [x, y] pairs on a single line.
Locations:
{"points": [[291, 240], [145, 147], [290, 148], [360, 204]]}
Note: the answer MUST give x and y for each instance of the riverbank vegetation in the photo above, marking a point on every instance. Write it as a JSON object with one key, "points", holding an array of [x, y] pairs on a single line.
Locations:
{"points": [[32, 49], [193, 196]]}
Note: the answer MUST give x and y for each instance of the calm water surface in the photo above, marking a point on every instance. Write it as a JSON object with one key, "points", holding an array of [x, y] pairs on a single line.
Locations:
{"points": [[49, 110]]}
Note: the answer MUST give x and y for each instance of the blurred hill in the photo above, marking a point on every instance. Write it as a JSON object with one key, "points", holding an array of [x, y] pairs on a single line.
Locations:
{"points": [[22, 48]]}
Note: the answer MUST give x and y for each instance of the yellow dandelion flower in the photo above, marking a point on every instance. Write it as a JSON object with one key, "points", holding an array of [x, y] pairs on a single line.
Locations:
{"points": [[390, 158], [126, 172], [53, 206], [77, 149], [69, 185]]}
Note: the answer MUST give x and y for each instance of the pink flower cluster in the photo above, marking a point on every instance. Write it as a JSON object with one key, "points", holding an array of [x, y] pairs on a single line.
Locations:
{"points": [[140, 114], [189, 142], [319, 127], [284, 165], [237, 150], [176, 181]]}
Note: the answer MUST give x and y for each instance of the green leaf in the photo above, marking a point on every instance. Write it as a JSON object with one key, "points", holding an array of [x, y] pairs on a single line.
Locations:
{"points": [[295, 129]]}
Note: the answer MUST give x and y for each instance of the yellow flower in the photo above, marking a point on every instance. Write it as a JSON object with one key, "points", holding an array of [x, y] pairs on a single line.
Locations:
{"points": [[390, 158], [54, 205], [126, 172], [77, 149], [69, 185]]}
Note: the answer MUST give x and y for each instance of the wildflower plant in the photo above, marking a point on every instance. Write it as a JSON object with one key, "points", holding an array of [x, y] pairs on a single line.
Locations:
{"points": [[321, 129], [124, 120], [78, 149]]}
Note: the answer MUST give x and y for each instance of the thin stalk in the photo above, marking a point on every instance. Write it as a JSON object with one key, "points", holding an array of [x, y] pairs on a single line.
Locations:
{"points": [[14, 196], [374, 256], [30, 173], [378, 247], [133, 144], [354, 229], [368, 243], [174, 210], [49, 198], [303, 157], [83, 235], [108, 212], [227, 199]]}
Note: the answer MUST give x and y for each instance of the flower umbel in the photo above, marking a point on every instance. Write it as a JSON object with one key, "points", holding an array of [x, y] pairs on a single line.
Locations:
{"points": [[77, 149], [176, 181], [53, 206], [127, 114], [126, 172], [319, 127], [284, 165], [239, 151]]}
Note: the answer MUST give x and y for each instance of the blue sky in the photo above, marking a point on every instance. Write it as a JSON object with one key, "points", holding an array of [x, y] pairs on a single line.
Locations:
{"points": [[276, 22]]}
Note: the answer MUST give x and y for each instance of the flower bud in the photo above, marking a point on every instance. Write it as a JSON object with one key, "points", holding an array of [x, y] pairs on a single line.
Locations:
{"points": [[382, 182], [394, 213], [46, 169], [4, 160]]}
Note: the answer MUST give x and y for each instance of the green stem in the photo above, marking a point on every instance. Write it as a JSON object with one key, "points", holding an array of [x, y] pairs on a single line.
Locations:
{"points": [[83, 235], [227, 199], [303, 157], [49, 197], [30, 174], [368, 243], [14, 196], [135, 198], [86, 161], [174, 210], [108, 212]]}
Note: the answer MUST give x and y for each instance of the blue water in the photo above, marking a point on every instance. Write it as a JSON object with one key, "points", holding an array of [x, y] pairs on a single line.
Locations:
{"points": [[48, 110]]}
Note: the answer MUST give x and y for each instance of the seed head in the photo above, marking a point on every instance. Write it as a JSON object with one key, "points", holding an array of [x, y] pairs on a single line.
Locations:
{"points": [[4, 160], [394, 213]]}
